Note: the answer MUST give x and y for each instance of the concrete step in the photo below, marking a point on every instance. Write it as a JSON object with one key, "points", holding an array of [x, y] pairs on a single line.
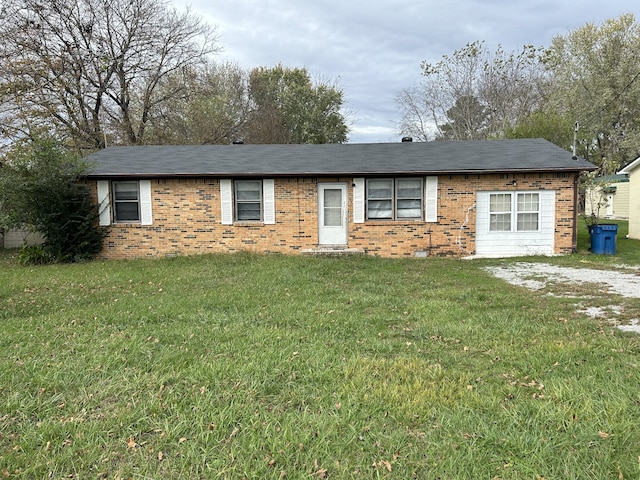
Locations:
{"points": [[336, 250]]}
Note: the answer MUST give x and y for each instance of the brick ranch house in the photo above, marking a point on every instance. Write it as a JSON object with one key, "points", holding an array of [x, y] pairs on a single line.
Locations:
{"points": [[469, 198]]}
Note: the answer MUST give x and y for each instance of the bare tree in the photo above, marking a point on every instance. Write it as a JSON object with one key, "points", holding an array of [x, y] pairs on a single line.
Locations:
{"points": [[90, 70], [472, 93]]}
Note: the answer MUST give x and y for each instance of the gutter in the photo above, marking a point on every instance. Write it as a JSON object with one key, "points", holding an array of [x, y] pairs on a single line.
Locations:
{"points": [[327, 174]]}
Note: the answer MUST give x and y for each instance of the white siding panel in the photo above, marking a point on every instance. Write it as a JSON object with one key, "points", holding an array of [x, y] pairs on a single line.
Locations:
{"points": [[511, 244]]}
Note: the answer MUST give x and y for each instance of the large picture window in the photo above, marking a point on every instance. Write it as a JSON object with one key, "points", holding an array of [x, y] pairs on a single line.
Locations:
{"points": [[126, 202], [518, 212], [394, 199]]}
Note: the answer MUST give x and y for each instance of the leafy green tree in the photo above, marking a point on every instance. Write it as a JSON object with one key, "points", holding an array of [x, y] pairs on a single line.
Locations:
{"points": [[595, 81], [287, 107], [41, 188], [212, 108], [544, 124]]}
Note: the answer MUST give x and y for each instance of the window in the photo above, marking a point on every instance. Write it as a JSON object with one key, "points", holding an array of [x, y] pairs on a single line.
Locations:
{"points": [[394, 199], [528, 211], [248, 200], [126, 202], [500, 212], [523, 207]]}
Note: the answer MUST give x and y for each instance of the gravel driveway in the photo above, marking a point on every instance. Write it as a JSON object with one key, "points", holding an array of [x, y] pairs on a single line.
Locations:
{"points": [[537, 276]]}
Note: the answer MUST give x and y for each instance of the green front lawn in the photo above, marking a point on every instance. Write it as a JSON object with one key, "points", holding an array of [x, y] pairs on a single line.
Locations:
{"points": [[268, 367]]}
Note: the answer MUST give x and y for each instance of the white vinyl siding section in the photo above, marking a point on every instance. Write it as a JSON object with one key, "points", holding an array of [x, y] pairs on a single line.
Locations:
{"points": [[497, 230]]}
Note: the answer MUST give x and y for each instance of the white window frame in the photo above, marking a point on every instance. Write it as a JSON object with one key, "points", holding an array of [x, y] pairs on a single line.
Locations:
{"points": [[229, 201], [394, 198], [515, 214], [106, 201], [116, 201], [238, 201]]}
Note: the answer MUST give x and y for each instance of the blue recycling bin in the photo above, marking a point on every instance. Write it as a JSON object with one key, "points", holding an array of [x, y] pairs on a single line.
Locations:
{"points": [[603, 238]]}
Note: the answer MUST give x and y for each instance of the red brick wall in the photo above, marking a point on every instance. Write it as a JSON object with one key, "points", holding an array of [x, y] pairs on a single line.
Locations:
{"points": [[186, 219]]}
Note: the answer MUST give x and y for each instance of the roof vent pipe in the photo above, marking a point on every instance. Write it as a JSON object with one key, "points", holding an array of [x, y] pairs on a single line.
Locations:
{"points": [[407, 139]]}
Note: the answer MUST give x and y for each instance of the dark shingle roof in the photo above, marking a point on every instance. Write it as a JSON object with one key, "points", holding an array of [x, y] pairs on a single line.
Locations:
{"points": [[402, 158]]}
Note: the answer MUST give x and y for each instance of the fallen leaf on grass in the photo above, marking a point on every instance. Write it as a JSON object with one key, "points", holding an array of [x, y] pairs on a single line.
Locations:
{"points": [[160, 456], [603, 434], [131, 443], [383, 463]]}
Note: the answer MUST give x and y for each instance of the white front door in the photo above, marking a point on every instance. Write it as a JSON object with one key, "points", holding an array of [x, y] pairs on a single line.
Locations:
{"points": [[332, 213], [610, 211]]}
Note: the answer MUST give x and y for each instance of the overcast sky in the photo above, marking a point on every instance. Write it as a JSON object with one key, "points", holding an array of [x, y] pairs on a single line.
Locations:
{"points": [[373, 48]]}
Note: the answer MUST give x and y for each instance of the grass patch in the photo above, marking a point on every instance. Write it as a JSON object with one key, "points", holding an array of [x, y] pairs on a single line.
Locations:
{"points": [[248, 366]]}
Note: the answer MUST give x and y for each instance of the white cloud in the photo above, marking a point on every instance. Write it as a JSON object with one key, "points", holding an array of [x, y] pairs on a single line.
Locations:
{"points": [[374, 49]]}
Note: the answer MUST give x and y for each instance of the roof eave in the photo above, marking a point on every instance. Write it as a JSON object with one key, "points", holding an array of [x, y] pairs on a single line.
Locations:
{"points": [[336, 173]]}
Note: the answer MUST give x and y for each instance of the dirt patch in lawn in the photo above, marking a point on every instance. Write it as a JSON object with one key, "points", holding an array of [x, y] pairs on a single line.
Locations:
{"points": [[584, 284]]}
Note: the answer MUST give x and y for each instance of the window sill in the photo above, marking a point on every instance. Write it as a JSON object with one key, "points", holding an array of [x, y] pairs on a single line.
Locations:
{"points": [[378, 221], [249, 223]]}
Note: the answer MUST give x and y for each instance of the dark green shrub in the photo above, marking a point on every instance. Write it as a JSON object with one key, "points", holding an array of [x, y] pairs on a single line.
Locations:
{"points": [[33, 255], [41, 186]]}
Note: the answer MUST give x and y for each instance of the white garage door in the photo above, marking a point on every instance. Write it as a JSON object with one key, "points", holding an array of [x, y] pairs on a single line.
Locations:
{"points": [[512, 224]]}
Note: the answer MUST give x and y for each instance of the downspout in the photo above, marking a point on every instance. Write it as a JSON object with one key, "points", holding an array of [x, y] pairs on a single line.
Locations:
{"points": [[574, 234], [576, 207]]}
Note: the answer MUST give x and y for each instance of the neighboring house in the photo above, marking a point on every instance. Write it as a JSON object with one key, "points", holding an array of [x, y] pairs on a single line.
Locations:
{"points": [[470, 198], [614, 191], [15, 238], [633, 171]]}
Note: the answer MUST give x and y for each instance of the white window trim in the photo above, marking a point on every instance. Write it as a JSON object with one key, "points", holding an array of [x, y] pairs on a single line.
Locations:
{"points": [[146, 213], [358, 200], [268, 201], [431, 199], [106, 210], [394, 200], [227, 203], [514, 210], [104, 204]]}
